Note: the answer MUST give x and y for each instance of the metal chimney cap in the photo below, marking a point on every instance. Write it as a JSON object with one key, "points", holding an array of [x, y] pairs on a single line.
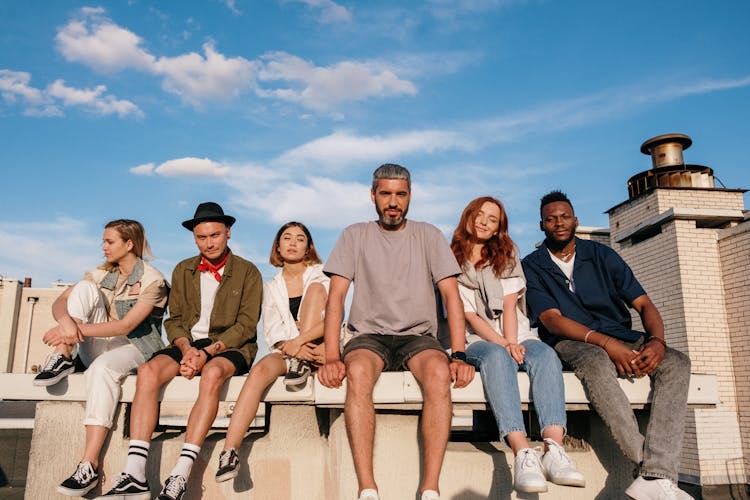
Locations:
{"points": [[648, 146]]}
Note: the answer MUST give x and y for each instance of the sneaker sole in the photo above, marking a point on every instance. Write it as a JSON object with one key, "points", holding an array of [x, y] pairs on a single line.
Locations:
{"points": [[76, 493], [531, 489], [581, 483], [146, 495], [228, 475], [46, 382]]}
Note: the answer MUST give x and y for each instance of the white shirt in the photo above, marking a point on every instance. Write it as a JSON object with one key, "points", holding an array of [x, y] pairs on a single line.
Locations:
{"points": [[510, 285], [209, 285]]}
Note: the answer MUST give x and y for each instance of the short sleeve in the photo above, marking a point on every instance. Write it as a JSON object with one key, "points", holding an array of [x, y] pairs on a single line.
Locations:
{"points": [[442, 261], [341, 261], [515, 284], [628, 287], [155, 294]]}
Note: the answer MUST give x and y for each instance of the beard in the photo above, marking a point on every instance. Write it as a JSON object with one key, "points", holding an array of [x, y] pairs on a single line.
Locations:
{"points": [[391, 222], [557, 245]]}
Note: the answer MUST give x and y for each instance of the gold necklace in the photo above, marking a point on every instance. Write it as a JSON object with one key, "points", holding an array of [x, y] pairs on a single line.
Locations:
{"points": [[566, 256]]}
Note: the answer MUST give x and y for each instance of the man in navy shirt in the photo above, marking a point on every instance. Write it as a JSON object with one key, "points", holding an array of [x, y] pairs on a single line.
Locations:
{"points": [[578, 294]]}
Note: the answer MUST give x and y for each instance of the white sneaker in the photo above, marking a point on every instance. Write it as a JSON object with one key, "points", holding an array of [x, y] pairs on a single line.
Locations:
{"points": [[559, 468], [430, 495], [528, 473], [655, 489], [369, 494]]}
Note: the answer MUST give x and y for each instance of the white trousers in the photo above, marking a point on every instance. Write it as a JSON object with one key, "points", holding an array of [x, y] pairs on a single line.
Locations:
{"points": [[108, 360]]}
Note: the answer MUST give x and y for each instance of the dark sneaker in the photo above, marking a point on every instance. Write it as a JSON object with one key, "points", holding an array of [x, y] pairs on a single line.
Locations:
{"points": [[229, 466], [127, 487], [83, 480], [174, 488], [55, 369], [296, 376]]}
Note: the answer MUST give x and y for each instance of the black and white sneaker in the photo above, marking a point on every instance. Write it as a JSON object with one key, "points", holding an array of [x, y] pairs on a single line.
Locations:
{"points": [[55, 369], [83, 480], [296, 376], [174, 488], [127, 487], [229, 466]]}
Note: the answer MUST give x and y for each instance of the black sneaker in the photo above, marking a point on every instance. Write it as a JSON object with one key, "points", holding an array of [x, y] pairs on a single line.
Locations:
{"points": [[229, 466], [174, 488], [296, 376], [57, 368], [126, 486], [83, 480]]}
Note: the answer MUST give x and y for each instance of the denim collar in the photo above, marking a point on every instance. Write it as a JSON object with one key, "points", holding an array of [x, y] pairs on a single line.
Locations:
{"points": [[110, 279]]}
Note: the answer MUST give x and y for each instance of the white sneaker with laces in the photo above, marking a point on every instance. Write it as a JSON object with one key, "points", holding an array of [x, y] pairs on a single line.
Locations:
{"points": [[528, 473], [369, 494], [655, 489], [559, 468]]}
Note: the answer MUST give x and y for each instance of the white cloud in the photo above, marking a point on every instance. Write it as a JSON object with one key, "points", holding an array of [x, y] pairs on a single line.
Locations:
{"points": [[320, 88], [15, 88], [185, 167], [100, 44], [196, 78], [342, 148], [231, 5], [330, 11], [144, 169], [93, 100]]}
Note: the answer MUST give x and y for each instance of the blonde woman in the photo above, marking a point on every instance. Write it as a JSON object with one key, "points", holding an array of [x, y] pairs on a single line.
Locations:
{"points": [[114, 317], [293, 305]]}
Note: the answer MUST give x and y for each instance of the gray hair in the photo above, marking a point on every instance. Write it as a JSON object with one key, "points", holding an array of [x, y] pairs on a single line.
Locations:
{"points": [[390, 171]]}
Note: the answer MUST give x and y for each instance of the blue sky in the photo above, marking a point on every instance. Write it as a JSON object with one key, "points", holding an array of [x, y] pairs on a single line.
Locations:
{"points": [[281, 109]]}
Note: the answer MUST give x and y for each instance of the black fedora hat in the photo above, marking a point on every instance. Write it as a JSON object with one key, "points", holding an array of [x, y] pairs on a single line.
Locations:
{"points": [[208, 211]]}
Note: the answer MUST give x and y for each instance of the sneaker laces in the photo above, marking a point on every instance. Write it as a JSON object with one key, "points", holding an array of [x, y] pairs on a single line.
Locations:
{"points": [[51, 361], [175, 486], [558, 451], [83, 472], [120, 480], [225, 458], [529, 459]]}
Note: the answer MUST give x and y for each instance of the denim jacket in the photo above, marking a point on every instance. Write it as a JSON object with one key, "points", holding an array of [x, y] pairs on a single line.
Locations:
{"points": [[146, 336]]}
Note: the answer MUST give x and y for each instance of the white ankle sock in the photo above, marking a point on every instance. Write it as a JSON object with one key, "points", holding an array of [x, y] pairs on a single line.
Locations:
{"points": [[137, 456], [187, 458]]}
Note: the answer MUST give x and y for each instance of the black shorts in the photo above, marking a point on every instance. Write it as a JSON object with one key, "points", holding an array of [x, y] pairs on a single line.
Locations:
{"points": [[394, 350], [234, 356]]}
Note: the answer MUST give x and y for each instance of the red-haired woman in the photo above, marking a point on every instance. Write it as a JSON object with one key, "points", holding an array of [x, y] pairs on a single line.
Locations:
{"points": [[500, 341], [293, 305]]}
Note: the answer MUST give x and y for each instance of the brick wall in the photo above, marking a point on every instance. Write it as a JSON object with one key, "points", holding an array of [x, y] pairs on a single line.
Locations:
{"points": [[734, 247]]}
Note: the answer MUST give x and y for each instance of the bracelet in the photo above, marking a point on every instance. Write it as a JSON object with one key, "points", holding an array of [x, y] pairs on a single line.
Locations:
{"points": [[658, 339], [208, 356], [586, 337], [604, 345]]}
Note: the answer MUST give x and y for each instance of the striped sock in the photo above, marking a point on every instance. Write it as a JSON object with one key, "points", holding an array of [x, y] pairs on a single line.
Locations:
{"points": [[137, 456], [187, 458]]}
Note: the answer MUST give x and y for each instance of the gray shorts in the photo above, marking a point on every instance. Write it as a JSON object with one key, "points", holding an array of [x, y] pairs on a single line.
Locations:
{"points": [[394, 350]]}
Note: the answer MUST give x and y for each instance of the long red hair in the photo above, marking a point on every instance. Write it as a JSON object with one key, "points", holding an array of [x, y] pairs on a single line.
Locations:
{"points": [[499, 251]]}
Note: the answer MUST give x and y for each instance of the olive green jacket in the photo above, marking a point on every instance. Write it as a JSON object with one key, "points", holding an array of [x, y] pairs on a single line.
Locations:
{"points": [[236, 311]]}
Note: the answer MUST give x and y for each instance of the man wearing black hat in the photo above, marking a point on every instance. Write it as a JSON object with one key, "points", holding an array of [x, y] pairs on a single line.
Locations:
{"points": [[215, 342]]}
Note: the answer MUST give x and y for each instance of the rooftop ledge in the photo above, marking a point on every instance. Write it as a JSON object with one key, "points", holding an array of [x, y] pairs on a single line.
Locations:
{"points": [[393, 389], [708, 218]]}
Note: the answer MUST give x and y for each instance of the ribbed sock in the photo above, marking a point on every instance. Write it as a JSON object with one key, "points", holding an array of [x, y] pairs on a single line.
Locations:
{"points": [[187, 458], [137, 456]]}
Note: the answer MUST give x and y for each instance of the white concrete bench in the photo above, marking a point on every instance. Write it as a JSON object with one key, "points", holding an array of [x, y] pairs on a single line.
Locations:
{"points": [[305, 453]]}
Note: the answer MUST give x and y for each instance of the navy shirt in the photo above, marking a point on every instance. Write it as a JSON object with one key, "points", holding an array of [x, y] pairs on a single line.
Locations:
{"points": [[604, 289]]}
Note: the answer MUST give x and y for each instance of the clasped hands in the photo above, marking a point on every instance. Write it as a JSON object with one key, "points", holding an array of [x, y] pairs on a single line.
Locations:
{"points": [[632, 363], [63, 333]]}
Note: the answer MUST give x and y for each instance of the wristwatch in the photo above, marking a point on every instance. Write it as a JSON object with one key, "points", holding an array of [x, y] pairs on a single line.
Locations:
{"points": [[459, 355]]}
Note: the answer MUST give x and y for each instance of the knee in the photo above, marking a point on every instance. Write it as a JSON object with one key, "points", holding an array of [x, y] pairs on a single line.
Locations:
{"points": [[676, 362], [212, 377], [316, 292], [148, 377], [436, 373], [546, 358]]}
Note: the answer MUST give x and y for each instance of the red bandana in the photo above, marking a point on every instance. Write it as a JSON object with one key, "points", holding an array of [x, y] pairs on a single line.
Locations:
{"points": [[205, 266]]}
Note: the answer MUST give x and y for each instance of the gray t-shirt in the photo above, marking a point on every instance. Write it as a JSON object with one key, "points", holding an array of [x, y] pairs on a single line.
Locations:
{"points": [[394, 275]]}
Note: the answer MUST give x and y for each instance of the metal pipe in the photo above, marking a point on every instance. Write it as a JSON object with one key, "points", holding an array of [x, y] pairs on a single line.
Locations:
{"points": [[32, 302]]}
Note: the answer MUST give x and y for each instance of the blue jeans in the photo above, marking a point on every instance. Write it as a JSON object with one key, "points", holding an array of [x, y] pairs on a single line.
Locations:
{"points": [[658, 452], [499, 376]]}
